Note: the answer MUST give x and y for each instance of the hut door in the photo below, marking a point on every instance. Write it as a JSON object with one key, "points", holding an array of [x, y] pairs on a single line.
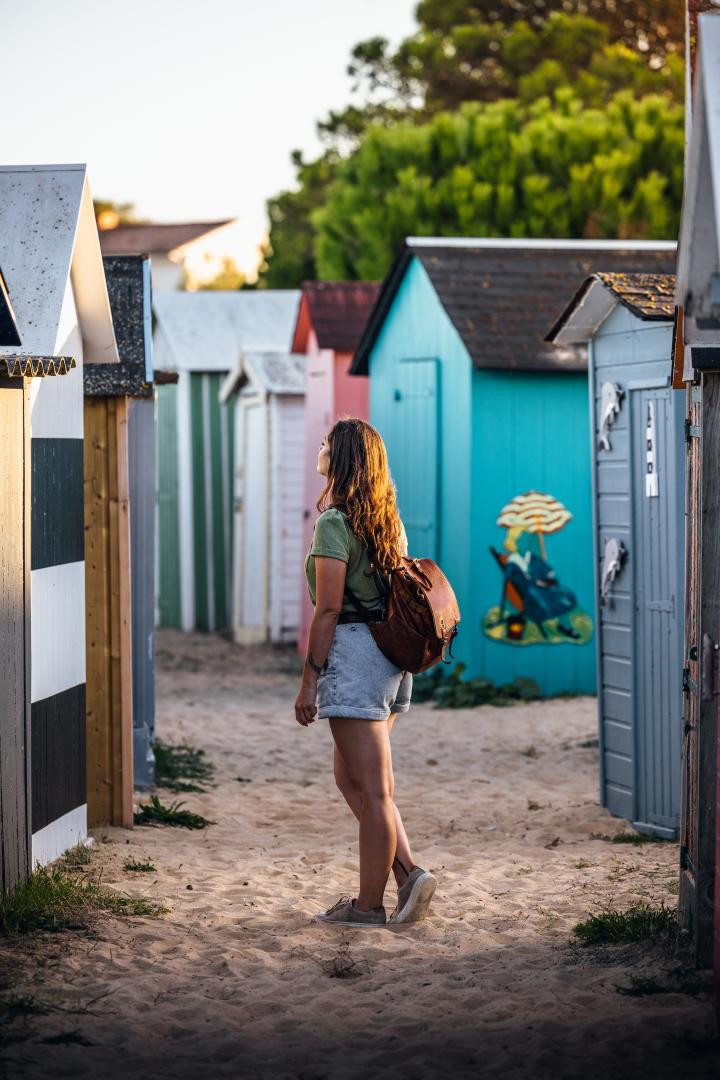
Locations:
{"points": [[413, 447], [14, 633], [253, 569], [658, 618]]}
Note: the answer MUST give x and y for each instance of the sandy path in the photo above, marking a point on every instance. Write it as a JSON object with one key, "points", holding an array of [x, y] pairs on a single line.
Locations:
{"points": [[235, 981]]}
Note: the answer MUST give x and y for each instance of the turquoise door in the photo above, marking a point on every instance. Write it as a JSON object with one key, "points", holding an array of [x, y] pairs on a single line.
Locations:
{"points": [[412, 439]]}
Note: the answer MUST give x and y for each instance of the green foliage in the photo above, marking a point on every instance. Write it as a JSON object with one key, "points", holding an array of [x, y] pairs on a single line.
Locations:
{"points": [[182, 768], [133, 866], [156, 813], [481, 51], [228, 278], [553, 168], [55, 899], [454, 693], [639, 923], [289, 258]]}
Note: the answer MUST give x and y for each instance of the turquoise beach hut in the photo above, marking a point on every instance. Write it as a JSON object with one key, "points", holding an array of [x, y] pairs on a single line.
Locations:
{"points": [[486, 426]]}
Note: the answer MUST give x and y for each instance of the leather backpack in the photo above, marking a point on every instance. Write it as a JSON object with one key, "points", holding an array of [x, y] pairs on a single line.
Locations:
{"points": [[421, 616]]}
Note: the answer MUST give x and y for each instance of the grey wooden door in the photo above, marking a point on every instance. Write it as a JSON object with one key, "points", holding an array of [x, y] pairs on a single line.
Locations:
{"points": [[657, 481], [15, 829]]}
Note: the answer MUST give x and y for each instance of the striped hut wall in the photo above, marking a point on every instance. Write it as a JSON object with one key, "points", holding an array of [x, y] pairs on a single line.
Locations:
{"points": [[59, 806]]}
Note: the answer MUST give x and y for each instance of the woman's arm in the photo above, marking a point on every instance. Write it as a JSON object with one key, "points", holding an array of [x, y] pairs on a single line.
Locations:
{"points": [[329, 593]]}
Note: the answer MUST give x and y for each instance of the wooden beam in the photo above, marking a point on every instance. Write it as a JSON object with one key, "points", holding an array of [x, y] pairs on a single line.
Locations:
{"points": [[124, 614]]}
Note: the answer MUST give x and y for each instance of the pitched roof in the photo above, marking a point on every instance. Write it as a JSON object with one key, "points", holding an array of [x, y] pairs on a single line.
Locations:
{"points": [[128, 282], [207, 331], [272, 372], [650, 297], [337, 311], [143, 239], [502, 295], [47, 231]]}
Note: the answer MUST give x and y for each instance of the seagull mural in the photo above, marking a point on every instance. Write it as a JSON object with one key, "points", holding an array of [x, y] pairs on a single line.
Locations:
{"points": [[535, 607]]}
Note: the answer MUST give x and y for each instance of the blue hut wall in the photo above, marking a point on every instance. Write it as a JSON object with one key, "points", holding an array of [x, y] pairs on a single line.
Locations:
{"points": [[530, 433], [420, 402], [640, 647], [462, 443]]}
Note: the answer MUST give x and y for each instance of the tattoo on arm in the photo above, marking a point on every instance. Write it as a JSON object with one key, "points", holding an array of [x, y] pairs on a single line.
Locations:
{"points": [[319, 669]]}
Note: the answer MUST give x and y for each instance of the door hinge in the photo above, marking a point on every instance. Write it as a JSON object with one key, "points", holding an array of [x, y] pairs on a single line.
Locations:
{"points": [[688, 684], [710, 668], [685, 860], [692, 431]]}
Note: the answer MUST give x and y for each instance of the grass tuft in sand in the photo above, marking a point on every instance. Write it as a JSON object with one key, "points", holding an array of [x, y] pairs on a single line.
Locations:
{"points": [[56, 899], [641, 922], [156, 813], [182, 768], [133, 866]]}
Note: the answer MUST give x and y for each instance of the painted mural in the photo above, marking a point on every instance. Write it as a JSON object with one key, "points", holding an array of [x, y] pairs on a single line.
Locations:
{"points": [[535, 607]]}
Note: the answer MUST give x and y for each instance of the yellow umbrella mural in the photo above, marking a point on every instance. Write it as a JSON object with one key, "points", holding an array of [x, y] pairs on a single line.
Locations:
{"points": [[535, 606]]}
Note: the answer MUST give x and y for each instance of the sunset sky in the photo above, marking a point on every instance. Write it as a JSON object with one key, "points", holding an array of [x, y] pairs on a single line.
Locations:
{"points": [[188, 109]]}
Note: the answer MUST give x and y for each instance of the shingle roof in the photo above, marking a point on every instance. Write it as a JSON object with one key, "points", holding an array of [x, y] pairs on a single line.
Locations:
{"points": [[128, 285], [338, 311], [144, 239], [502, 296], [650, 297]]}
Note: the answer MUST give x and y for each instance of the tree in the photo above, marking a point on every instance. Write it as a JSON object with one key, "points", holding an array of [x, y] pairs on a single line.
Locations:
{"points": [[109, 214], [483, 51], [288, 257], [551, 168]]}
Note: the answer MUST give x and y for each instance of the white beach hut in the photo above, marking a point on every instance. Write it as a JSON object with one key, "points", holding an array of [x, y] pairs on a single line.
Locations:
{"points": [[200, 336], [268, 391], [51, 262]]}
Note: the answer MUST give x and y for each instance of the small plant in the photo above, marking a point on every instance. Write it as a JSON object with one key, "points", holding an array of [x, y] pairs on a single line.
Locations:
{"points": [[456, 693], [182, 768], [639, 923], [135, 867], [643, 987], [156, 813], [21, 1005], [77, 857], [630, 838], [54, 899]]}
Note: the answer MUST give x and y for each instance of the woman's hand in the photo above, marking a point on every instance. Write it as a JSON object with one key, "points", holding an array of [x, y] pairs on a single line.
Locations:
{"points": [[305, 702]]}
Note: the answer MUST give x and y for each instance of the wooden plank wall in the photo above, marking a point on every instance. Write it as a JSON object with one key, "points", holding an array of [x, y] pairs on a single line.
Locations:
{"points": [[108, 624], [14, 633]]}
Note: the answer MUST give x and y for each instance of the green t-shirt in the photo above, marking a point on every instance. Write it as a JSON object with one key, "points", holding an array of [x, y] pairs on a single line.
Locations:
{"points": [[334, 538]]}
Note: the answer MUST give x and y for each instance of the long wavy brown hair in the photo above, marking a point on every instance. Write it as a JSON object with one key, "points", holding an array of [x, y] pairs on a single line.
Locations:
{"points": [[359, 482]]}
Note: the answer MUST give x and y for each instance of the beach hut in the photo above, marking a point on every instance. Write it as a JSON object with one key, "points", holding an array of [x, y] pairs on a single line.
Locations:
{"points": [[200, 337], [267, 392], [50, 256], [637, 439], [119, 465], [486, 427], [698, 364], [331, 318]]}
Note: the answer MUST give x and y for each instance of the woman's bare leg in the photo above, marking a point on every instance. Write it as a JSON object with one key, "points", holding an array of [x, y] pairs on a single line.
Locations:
{"points": [[365, 748], [403, 859]]}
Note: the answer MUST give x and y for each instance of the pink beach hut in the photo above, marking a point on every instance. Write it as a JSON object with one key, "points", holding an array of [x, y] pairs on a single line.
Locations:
{"points": [[331, 317]]}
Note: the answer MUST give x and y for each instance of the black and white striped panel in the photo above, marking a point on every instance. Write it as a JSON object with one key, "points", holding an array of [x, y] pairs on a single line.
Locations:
{"points": [[59, 799]]}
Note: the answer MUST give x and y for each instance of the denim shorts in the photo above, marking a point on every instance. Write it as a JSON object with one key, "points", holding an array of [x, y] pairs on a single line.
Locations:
{"points": [[359, 681]]}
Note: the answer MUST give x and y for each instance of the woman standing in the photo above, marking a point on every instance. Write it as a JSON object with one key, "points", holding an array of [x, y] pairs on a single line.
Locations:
{"points": [[358, 540]]}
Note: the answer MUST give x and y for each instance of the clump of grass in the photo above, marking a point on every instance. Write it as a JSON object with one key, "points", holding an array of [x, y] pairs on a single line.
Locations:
{"points": [[21, 1005], [54, 899], [630, 838], [182, 768], [77, 857], [454, 692], [156, 813], [641, 922], [133, 866]]}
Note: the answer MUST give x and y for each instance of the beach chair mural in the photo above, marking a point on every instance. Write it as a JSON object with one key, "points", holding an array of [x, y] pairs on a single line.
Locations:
{"points": [[535, 607]]}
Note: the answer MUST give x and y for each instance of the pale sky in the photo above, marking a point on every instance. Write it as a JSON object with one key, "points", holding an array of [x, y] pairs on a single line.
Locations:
{"points": [[188, 108]]}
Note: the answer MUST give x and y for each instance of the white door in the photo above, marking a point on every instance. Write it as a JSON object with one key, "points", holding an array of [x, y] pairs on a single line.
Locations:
{"points": [[254, 516]]}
